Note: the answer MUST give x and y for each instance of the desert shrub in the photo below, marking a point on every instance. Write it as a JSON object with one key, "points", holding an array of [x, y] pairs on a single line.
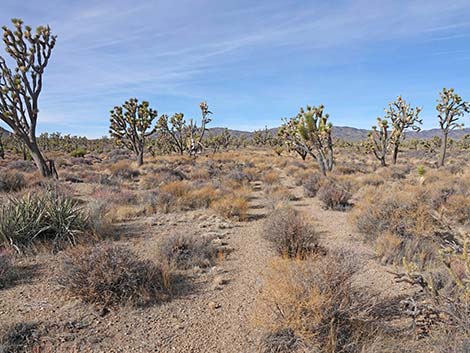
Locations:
{"points": [[7, 269], [404, 212], [401, 221], [334, 195], [457, 209], [289, 233], [78, 152], [238, 175], [316, 301], [178, 189], [444, 291], [271, 178], [280, 341], [185, 251], [278, 195], [117, 155], [22, 337], [110, 275], [72, 178], [161, 176], [312, 184], [231, 206], [11, 181], [23, 166], [80, 161], [123, 170], [98, 220], [41, 217], [200, 197]]}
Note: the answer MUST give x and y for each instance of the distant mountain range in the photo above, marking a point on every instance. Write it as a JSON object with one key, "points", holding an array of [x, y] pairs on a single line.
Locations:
{"points": [[353, 134], [343, 132]]}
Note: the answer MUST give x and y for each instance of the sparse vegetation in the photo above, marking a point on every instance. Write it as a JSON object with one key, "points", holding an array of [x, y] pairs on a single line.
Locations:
{"points": [[184, 251], [334, 195], [41, 217], [290, 234], [108, 275]]}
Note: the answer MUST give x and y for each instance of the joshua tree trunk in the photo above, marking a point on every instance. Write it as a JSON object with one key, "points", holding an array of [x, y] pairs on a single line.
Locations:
{"points": [[140, 157], [443, 148], [41, 163], [396, 147]]}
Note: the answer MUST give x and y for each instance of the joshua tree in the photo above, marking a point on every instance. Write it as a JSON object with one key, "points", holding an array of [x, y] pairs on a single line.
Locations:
{"points": [[131, 124], [402, 117], [20, 87], [173, 131], [450, 107], [315, 130], [287, 132], [181, 136], [310, 131], [222, 140], [380, 140], [262, 137], [196, 134]]}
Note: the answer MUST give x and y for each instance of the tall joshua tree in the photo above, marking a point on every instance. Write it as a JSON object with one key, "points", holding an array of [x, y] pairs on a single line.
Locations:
{"points": [[173, 130], [450, 108], [310, 131], [403, 117], [195, 133], [131, 124], [380, 140], [21, 85]]}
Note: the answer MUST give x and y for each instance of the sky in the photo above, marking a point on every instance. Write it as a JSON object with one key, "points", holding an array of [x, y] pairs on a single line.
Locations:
{"points": [[254, 62]]}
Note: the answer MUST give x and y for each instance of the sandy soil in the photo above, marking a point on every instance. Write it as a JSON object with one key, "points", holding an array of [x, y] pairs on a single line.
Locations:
{"points": [[211, 315]]}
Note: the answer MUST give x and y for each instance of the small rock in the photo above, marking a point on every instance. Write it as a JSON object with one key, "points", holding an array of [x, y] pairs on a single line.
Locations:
{"points": [[214, 305]]}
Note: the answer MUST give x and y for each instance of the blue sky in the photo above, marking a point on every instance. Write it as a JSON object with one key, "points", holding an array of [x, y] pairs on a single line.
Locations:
{"points": [[254, 62]]}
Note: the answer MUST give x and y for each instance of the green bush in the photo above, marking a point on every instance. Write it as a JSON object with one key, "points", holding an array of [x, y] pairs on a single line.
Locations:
{"points": [[48, 217], [78, 152]]}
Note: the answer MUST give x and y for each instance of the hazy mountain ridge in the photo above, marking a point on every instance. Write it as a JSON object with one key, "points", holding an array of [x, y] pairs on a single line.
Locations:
{"points": [[348, 133]]}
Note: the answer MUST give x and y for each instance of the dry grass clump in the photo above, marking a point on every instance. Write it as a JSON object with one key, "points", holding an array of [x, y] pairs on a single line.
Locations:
{"points": [[290, 234], [278, 195], [22, 166], [334, 195], [22, 337], [123, 170], [400, 210], [232, 206], [271, 178], [110, 275], [11, 181], [183, 195], [312, 184], [400, 220], [317, 304], [185, 251], [160, 176], [281, 341]]}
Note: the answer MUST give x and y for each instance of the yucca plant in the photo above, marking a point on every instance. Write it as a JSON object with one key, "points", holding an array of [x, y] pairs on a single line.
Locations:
{"points": [[43, 217]]}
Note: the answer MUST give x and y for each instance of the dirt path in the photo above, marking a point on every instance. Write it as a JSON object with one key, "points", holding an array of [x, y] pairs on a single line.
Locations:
{"points": [[338, 233], [218, 319], [214, 315]]}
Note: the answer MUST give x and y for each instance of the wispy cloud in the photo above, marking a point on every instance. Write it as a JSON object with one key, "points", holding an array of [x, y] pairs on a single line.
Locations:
{"points": [[180, 51]]}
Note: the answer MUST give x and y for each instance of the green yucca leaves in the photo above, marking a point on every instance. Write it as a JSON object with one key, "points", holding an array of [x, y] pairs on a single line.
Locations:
{"points": [[47, 217]]}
